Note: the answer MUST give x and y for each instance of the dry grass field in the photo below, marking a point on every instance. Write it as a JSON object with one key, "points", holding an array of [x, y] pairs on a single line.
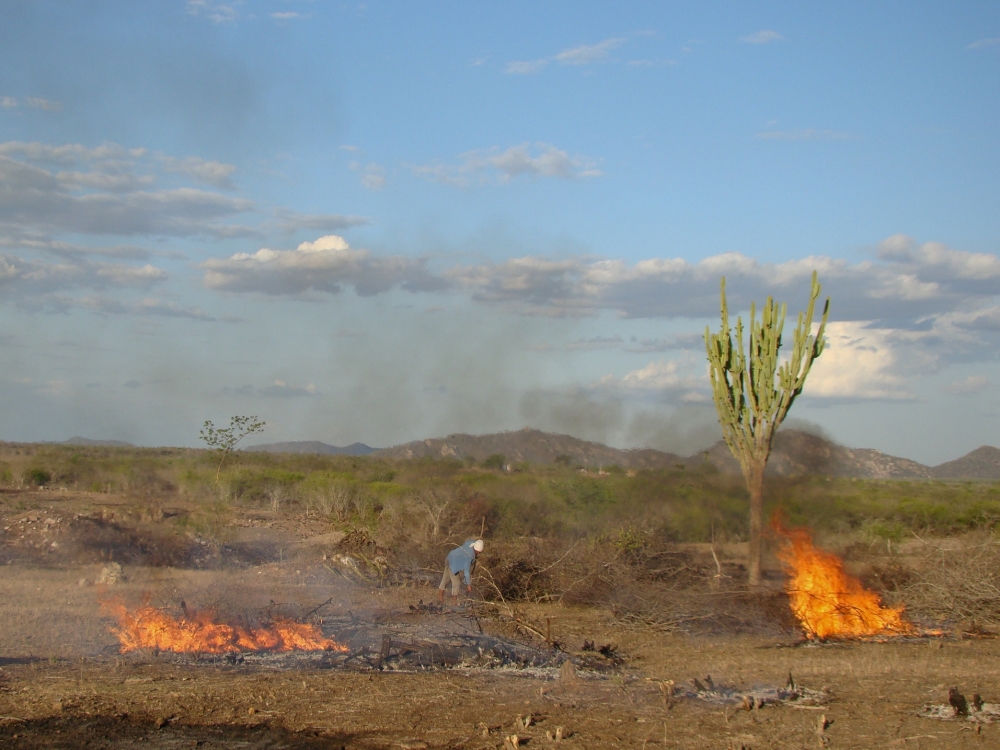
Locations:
{"points": [[64, 683]]}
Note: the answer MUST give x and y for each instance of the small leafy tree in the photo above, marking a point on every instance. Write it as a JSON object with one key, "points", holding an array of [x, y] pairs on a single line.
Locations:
{"points": [[494, 461], [749, 402], [222, 440]]}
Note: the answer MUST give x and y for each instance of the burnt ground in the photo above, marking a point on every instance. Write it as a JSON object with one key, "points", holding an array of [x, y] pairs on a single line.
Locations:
{"points": [[63, 684]]}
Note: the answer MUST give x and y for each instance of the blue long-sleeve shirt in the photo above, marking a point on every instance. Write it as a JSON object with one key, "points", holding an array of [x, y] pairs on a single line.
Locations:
{"points": [[460, 560]]}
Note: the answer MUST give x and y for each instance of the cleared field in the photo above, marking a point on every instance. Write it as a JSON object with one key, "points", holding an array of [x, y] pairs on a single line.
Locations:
{"points": [[64, 683]]}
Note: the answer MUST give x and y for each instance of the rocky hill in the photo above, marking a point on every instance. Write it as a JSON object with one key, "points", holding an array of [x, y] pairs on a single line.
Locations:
{"points": [[982, 463], [313, 446], [798, 453], [533, 446]]}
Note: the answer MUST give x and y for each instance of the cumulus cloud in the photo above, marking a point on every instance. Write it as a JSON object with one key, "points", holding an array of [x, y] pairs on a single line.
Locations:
{"points": [[969, 387], [498, 167], [765, 36], [909, 283], [858, 362], [659, 376], [910, 308], [8, 101], [326, 265]]}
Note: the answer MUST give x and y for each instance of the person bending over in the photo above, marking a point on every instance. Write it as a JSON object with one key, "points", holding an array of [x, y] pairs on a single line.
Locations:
{"points": [[459, 562]]}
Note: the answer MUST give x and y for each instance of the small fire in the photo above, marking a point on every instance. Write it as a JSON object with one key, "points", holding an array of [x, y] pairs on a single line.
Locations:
{"points": [[147, 627], [827, 601]]}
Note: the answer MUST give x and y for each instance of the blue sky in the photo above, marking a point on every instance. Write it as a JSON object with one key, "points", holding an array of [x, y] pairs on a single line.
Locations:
{"points": [[387, 221]]}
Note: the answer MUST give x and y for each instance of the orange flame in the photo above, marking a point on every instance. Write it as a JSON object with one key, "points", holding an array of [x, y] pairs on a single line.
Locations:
{"points": [[827, 601], [150, 628]]}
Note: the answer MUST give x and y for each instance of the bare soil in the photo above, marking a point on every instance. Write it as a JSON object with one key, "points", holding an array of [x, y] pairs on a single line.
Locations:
{"points": [[63, 684]]}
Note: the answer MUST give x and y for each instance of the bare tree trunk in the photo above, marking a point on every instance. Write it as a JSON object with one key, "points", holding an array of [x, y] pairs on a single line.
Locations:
{"points": [[755, 486]]}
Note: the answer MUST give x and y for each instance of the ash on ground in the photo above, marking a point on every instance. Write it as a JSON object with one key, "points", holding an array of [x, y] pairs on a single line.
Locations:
{"points": [[959, 708], [754, 698]]}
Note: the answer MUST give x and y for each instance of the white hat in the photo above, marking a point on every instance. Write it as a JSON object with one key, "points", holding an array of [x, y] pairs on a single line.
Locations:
{"points": [[478, 545]]}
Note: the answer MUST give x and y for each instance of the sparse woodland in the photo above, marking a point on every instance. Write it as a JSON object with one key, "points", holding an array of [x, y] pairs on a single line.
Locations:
{"points": [[660, 548]]}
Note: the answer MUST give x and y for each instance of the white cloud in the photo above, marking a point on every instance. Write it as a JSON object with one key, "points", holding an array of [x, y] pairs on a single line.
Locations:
{"points": [[495, 166], [524, 67], [969, 387], [979, 44], [214, 11], [666, 380], [287, 16], [659, 376], [107, 190], [587, 54], [31, 280], [764, 36], [372, 175], [858, 363], [131, 275], [929, 280], [8, 101], [807, 134], [326, 265], [211, 172]]}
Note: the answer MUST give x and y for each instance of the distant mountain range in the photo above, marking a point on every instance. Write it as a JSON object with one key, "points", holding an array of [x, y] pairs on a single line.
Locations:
{"points": [[313, 446], [794, 453]]}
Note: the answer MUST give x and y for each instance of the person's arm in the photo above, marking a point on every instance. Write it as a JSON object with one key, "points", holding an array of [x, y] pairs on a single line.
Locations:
{"points": [[468, 572]]}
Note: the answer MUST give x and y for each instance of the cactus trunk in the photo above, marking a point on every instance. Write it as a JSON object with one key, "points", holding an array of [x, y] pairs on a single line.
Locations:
{"points": [[755, 486]]}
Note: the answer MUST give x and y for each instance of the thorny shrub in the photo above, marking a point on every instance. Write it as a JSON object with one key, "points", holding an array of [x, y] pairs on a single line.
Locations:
{"points": [[646, 580], [955, 581]]}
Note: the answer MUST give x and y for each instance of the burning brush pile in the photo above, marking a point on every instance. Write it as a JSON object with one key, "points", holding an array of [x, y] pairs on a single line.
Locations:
{"points": [[829, 603], [191, 632]]}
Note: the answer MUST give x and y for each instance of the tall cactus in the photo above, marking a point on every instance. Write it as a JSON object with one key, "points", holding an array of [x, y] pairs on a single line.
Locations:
{"points": [[750, 404]]}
